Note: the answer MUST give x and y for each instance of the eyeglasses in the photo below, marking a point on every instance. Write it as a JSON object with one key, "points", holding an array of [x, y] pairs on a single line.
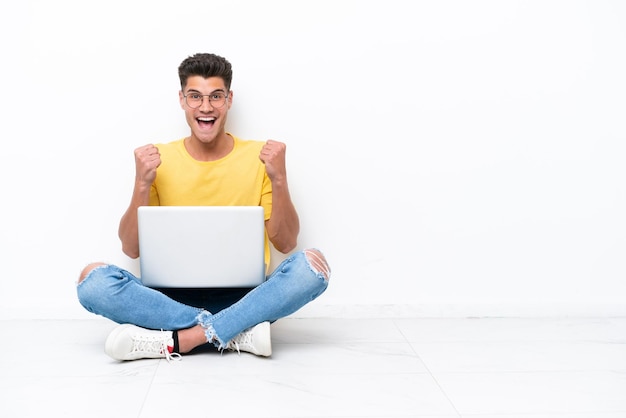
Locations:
{"points": [[195, 100]]}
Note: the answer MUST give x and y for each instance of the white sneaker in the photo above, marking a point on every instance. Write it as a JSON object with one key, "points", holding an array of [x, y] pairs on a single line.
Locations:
{"points": [[130, 342], [255, 340]]}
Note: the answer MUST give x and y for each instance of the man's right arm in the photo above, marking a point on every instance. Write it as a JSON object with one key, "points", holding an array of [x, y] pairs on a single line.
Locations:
{"points": [[147, 160]]}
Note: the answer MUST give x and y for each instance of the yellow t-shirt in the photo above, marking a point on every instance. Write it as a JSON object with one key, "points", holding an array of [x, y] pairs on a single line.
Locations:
{"points": [[238, 179]]}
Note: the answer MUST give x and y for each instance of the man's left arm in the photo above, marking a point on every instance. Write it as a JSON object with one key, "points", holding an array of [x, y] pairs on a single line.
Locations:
{"points": [[283, 226]]}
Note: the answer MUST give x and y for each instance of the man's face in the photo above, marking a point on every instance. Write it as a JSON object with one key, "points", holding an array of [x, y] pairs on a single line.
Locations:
{"points": [[208, 120]]}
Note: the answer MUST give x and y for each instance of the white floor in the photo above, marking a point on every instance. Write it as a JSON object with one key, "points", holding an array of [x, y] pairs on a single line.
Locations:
{"points": [[381, 368]]}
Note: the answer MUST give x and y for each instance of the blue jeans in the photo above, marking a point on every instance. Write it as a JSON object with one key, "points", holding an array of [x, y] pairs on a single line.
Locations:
{"points": [[117, 294]]}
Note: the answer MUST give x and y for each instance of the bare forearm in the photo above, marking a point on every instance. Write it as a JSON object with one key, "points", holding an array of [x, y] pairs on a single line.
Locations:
{"points": [[128, 229], [283, 226]]}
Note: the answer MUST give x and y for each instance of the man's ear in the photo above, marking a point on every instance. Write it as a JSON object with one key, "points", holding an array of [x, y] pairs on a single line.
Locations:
{"points": [[181, 99]]}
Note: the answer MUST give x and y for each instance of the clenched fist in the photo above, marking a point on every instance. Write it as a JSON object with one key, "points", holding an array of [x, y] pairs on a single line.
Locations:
{"points": [[273, 156], [147, 159]]}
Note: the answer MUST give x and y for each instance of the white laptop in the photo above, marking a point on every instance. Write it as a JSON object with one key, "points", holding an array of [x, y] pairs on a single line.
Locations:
{"points": [[201, 246]]}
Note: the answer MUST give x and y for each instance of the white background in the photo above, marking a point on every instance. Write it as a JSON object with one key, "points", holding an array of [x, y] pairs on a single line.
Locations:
{"points": [[451, 158]]}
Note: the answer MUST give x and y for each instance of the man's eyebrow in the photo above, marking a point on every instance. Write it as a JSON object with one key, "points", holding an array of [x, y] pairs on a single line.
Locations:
{"points": [[199, 92]]}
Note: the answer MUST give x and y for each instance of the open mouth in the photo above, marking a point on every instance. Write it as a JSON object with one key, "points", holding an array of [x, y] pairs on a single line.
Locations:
{"points": [[206, 122]]}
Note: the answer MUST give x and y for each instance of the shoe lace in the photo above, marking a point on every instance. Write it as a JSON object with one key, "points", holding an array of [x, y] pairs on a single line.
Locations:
{"points": [[172, 356], [152, 344], [241, 340]]}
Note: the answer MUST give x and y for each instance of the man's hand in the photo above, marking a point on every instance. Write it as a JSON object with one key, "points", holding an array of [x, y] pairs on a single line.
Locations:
{"points": [[147, 159], [273, 156]]}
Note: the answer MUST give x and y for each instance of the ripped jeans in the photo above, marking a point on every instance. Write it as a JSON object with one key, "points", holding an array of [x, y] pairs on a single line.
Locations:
{"points": [[117, 294]]}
